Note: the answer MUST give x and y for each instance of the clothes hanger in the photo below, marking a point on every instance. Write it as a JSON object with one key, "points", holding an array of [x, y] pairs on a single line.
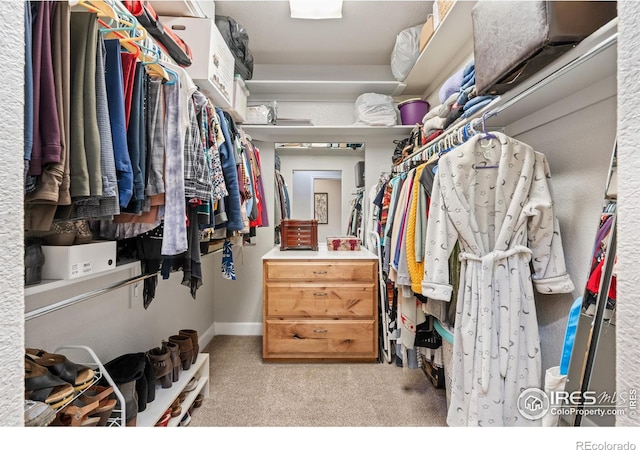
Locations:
{"points": [[488, 146], [173, 77], [104, 9], [153, 66]]}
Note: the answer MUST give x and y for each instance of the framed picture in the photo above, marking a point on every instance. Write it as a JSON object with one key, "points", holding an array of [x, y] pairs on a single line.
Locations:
{"points": [[320, 207]]}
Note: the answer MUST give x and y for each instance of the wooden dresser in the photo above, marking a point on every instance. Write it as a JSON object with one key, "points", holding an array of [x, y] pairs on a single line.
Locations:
{"points": [[320, 305]]}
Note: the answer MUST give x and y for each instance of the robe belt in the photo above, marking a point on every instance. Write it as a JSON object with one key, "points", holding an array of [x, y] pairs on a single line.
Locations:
{"points": [[488, 263]]}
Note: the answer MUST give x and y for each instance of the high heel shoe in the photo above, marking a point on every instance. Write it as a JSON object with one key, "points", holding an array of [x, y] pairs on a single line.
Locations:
{"points": [[105, 407], [78, 413], [161, 361]]}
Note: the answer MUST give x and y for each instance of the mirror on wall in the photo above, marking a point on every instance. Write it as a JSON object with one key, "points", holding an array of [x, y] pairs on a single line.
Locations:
{"points": [[591, 371], [318, 181]]}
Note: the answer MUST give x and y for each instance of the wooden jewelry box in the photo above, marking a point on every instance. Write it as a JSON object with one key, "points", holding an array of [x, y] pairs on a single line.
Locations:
{"points": [[298, 234]]}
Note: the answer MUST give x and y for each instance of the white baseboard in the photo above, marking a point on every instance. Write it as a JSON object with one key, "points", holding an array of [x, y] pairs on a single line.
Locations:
{"points": [[238, 328], [207, 336]]}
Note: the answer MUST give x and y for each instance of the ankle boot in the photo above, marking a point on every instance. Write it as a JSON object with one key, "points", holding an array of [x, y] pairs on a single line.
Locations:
{"points": [[186, 349], [174, 349], [193, 335], [125, 371], [161, 361]]}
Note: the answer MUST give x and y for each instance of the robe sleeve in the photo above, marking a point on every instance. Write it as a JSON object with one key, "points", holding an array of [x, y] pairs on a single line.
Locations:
{"points": [[549, 270], [441, 238]]}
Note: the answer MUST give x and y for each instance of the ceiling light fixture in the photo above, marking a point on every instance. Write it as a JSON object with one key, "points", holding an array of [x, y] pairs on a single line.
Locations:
{"points": [[316, 9]]}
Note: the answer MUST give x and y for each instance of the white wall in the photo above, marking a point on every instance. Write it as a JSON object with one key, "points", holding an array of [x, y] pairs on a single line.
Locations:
{"points": [[628, 314], [11, 212], [318, 164], [336, 225], [116, 322], [579, 159]]}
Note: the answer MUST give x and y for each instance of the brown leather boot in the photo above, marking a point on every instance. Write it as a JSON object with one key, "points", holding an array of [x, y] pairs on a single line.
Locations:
{"points": [[174, 349], [186, 349], [193, 335], [161, 362]]}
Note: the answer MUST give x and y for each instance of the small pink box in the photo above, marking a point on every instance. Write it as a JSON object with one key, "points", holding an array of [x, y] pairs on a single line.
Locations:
{"points": [[343, 243]]}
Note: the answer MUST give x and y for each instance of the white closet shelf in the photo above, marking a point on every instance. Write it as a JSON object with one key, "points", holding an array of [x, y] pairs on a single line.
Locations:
{"points": [[320, 90], [450, 45], [275, 133], [591, 61], [165, 397], [179, 8], [212, 91], [48, 285]]}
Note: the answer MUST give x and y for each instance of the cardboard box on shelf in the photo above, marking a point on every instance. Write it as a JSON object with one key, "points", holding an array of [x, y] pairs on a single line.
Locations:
{"points": [[440, 10], [426, 33]]}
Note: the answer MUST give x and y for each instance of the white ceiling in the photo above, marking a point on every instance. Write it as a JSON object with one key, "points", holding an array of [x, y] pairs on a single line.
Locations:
{"points": [[365, 35]]}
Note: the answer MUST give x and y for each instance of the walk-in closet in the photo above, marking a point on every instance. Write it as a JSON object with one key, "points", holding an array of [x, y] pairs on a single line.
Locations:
{"points": [[350, 214]]}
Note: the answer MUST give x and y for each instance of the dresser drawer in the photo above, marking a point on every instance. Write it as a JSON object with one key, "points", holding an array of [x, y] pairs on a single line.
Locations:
{"points": [[314, 339], [321, 270], [320, 300]]}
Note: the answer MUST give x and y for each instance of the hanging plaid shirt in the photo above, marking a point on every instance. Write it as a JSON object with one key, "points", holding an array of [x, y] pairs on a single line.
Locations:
{"points": [[197, 178]]}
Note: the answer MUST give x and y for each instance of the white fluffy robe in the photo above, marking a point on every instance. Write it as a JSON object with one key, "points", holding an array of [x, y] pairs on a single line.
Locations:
{"points": [[510, 241]]}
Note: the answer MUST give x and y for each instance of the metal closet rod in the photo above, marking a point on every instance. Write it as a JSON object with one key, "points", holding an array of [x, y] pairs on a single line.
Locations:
{"points": [[608, 42], [84, 296], [91, 294], [611, 40]]}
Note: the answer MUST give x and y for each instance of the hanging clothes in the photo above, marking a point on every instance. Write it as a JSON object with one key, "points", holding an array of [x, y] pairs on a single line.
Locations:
{"points": [[115, 100], [503, 219], [86, 175], [227, 156], [51, 195]]}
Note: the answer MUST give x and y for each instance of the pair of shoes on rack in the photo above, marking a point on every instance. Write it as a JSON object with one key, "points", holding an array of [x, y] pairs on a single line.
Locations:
{"points": [[176, 408], [186, 420], [187, 341], [53, 379], [175, 354], [78, 375], [92, 408], [38, 414], [164, 420]]}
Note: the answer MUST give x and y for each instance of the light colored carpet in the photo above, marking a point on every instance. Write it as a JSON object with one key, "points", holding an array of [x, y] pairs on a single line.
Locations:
{"points": [[246, 392]]}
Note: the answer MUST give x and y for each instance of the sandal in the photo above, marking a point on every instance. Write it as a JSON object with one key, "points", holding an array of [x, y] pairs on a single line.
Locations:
{"points": [[79, 376], [106, 405], [42, 386], [78, 413]]}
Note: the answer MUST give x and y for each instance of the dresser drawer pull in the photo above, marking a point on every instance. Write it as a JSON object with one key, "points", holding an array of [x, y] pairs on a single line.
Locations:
{"points": [[320, 294], [319, 272], [319, 330]]}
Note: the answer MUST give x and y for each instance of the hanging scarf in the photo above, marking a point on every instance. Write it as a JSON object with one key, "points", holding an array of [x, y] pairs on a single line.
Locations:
{"points": [[228, 269]]}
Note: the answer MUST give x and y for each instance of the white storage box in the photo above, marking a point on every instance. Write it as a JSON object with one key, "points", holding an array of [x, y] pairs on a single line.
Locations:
{"points": [[213, 62], [240, 95], [66, 262]]}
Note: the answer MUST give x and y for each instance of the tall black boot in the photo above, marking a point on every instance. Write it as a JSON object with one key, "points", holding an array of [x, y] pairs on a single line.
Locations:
{"points": [[126, 370], [150, 376]]}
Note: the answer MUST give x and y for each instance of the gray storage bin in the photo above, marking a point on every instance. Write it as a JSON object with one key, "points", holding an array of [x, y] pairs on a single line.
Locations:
{"points": [[515, 39]]}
